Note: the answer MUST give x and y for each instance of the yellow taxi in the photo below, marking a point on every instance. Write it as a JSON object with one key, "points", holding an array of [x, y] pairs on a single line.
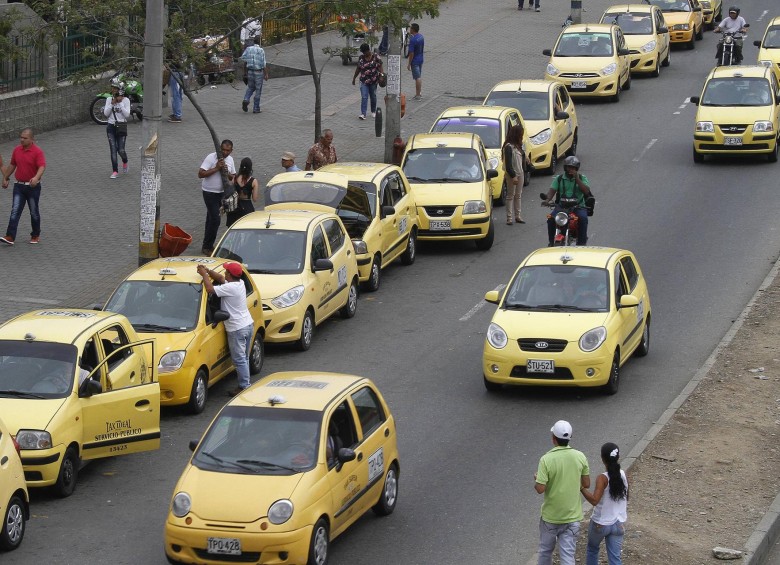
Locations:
{"points": [[712, 12], [303, 261], [591, 60], [315, 451], [550, 118], [769, 46], [646, 33], [568, 317], [738, 113], [76, 385], [684, 18], [451, 183], [374, 202], [14, 500], [491, 124], [165, 301]]}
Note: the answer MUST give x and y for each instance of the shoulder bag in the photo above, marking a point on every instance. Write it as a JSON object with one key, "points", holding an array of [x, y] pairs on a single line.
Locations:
{"points": [[121, 127]]}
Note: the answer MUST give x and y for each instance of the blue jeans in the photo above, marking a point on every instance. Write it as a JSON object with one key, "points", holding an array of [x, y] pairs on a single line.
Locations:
{"points": [[176, 93], [416, 71], [564, 534], [613, 539], [240, 342], [116, 144], [367, 91], [254, 84], [213, 201], [24, 194], [582, 224]]}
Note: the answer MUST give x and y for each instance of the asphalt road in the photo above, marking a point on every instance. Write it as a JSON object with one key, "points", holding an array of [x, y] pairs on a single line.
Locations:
{"points": [[705, 237]]}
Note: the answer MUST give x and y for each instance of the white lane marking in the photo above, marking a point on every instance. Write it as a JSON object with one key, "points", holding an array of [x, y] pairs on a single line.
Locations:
{"points": [[676, 113], [642, 154], [478, 306], [762, 15]]}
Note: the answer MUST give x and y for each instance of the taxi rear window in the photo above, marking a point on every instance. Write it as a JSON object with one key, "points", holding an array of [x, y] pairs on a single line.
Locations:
{"points": [[488, 129], [36, 369]]}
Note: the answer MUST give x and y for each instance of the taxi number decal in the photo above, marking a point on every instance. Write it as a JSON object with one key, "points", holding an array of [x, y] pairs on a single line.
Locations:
{"points": [[376, 464], [66, 314], [640, 311], [402, 226], [342, 276], [297, 384], [117, 448], [202, 260]]}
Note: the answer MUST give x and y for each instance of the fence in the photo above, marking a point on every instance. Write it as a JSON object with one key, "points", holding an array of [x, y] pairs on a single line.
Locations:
{"points": [[23, 72], [276, 31], [80, 51]]}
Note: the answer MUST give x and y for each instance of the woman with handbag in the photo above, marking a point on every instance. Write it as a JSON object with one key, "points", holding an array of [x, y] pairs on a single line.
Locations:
{"points": [[369, 67], [514, 173], [247, 189], [117, 110]]}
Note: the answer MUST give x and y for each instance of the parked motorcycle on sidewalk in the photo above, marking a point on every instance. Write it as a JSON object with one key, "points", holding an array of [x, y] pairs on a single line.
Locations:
{"points": [[134, 90]]}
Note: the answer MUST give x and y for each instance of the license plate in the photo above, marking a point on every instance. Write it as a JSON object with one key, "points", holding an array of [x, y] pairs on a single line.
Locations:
{"points": [[440, 225], [539, 366], [579, 84], [732, 141], [224, 546]]}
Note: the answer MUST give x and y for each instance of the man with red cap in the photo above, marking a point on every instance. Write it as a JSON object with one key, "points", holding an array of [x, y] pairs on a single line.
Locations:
{"points": [[239, 326]]}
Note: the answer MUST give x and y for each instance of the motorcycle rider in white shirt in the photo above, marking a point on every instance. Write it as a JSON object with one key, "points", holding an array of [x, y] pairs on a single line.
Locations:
{"points": [[733, 24]]}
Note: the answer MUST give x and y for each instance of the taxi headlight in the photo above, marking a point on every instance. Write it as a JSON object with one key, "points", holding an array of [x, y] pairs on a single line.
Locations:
{"points": [[181, 504], [171, 361], [280, 511], [289, 298], [360, 246], [493, 163], [551, 70], [649, 46], [33, 439], [592, 339], [705, 4], [763, 126], [474, 207], [496, 336], [705, 127], [681, 27], [765, 63], [542, 137], [609, 69]]}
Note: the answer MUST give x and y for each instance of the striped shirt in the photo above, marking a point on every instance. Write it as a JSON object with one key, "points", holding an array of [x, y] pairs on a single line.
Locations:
{"points": [[254, 55]]}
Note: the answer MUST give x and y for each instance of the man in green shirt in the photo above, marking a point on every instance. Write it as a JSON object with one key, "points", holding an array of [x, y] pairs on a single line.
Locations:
{"points": [[562, 473], [570, 190]]}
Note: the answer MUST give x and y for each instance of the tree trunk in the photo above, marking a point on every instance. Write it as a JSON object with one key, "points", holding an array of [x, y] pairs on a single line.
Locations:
{"points": [[315, 75]]}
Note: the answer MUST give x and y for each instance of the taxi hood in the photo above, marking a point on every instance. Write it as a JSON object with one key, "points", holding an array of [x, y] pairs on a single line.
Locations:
{"points": [[582, 64], [554, 325], [637, 41], [449, 193], [323, 196], [165, 342], [733, 115], [274, 285], [675, 18], [233, 497], [29, 413]]}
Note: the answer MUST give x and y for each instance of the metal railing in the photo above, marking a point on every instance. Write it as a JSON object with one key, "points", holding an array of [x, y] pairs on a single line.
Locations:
{"points": [[276, 31], [23, 72], [81, 51]]}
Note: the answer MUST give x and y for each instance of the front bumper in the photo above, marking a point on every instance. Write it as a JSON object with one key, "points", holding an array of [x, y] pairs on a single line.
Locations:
{"points": [[175, 387], [644, 62], [42, 466], [471, 226], [542, 154], [285, 323], [679, 36], [594, 86], [752, 143]]}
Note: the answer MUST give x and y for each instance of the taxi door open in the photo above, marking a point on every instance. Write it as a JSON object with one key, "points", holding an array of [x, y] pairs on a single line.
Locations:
{"points": [[122, 414]]}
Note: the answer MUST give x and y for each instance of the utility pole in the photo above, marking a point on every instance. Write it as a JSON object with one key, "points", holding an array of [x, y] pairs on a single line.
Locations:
{"points": [[149, 229], [393, 93]]}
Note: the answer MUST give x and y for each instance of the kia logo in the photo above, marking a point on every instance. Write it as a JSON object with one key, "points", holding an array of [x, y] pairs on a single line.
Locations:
{"points": [[541, 345]]}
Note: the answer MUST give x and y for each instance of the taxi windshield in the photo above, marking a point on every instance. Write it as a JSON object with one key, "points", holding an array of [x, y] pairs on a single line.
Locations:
{"points": [[442, 164], [488, 129], [732, 91], [250, 440], [584, 45], [158, 305], [671, 5], [632, 23], [37, 369], [531, 105], [555, 288], [772, 39], [265, 251]]}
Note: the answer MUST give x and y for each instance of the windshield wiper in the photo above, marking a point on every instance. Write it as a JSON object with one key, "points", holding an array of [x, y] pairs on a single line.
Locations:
{"points": [[517, 306], [266, 464], [20, 394], [223, 462], [449, 180], [417, 178], [564, 307], [157, 327], [262, 272]]}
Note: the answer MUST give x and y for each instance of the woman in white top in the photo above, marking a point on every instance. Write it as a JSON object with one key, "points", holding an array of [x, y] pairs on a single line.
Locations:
{"points": [[117, 110], [607, 522]]}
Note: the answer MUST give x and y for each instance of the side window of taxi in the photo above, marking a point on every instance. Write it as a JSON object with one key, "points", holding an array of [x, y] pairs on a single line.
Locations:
{"points": [[335, 235], [112, 339], [631, 273], [386, 195], [396, 187], [341, 432], [319, 250], [369, 410], [621, 287], [247, 284]]}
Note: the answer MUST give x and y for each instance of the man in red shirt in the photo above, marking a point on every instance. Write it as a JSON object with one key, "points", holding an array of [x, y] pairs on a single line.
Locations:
{"points": [[29, 162]]}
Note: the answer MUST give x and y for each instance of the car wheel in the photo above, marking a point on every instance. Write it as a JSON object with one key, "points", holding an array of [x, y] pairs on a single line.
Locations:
{"points": [[257, 354], [697, 157], [320, 543], [14, 524], [348, 310], [307, 331], [501, 200], [772, 157], [644, 345], [389, 496], [614, 375], [627, 85], [657, 70], [668, 61], [69, 473], [573, 149], [616, 96], [408, 256], [372, 284], [692, 43], [199, 393], [171, 560], [700, 33], [486, 242], [490, 385], [553, 161]]}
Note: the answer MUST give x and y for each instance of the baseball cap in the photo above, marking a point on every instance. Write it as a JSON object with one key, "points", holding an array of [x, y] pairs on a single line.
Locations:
{"points": [[561, 429], [288, 156], [236, 270]]}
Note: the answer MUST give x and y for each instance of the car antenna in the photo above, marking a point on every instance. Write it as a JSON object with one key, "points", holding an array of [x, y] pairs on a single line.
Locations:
{"points": [[268, 222]]}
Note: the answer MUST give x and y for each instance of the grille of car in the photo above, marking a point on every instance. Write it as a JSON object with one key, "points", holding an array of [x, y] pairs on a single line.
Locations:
{"points": [[440, 211], [579, 75], [733, 128], [743, 147], [533, 344], [449, 233], [588, 88], [561, 373], [245, 557]]}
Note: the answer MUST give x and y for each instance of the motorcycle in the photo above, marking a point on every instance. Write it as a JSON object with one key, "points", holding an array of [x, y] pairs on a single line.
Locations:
{"points": [[566, 221], [134, 91], [726, 46]]}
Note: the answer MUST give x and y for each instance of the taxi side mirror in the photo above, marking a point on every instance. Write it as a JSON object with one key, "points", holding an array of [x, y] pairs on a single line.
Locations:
{"points": [[560, 115], [346, 454], [629, 301], [757, 43], [663, 29], [547, 52], [388, 211], [193, 444], [219, 316], [491, 173], [493, 296], [695, 100], [90, 387], [624, 51], [322, 265]]}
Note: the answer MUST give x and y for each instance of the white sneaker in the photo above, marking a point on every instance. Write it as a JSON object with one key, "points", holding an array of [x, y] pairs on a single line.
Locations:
{"points": [[373, 114], [114, 175], [362, 117]]}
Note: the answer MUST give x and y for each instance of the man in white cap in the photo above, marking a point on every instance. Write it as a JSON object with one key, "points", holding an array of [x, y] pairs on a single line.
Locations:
{"points": [[562, 473], [288, 162]]}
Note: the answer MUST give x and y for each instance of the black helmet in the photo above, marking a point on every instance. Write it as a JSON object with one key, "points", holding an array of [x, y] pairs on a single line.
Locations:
{"points": [[734, 9], [571, 161]]}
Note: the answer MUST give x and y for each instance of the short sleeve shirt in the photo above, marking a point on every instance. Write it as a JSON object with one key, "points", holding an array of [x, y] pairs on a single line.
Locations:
{"points": [[233, 295], [254, 55], [319, 156], [560, 470], [732, 25], [214, 182], [369, 70], [568, 188], [27, 161], [417, 46]]}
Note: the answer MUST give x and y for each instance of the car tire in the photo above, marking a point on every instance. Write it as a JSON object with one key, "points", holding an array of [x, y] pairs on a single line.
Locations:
{"points": [[257, 354], [553, 161], [668, 61], [319, 544], [375, 278], [692, 43], [627, 85], [486, 242], [644, 345], [348, 310], [307, 331], [700, 34], [501, 200], [614, 376], [408, 256], [657, 70], [14, 525], [172, 561], [68, 475], [490, 386], [772, 157], [573, 149], [616, 97], [389, 496], [199, 393], [697, 157]]}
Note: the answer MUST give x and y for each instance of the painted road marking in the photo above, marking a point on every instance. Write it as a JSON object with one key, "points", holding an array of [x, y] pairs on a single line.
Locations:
{"points": [[478, 306], [647, 147], [762, 15]]}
